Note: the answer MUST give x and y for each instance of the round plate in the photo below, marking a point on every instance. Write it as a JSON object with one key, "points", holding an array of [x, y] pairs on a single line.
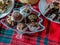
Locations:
{"points": [[42, 6], [8, 10]]}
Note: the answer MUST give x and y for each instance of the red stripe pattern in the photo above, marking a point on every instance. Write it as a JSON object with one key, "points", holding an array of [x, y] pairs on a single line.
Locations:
{"points": [[50, 36]]}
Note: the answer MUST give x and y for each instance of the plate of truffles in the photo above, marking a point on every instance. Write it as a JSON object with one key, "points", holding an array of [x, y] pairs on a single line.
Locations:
{"points": [[5, 7], [50, 10]]}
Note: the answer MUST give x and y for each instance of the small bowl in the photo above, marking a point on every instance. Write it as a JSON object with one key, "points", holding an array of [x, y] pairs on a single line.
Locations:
{"points": [[34, 29], [19, 20], [23, 30], [24, 9]]}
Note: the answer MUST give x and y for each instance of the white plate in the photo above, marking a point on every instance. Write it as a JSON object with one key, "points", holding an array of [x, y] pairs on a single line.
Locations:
{"points": [[42, 6], [8, 11]]}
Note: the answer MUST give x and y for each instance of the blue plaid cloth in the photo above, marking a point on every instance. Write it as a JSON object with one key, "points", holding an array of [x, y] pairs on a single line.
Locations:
{"points": [[5, 35]]}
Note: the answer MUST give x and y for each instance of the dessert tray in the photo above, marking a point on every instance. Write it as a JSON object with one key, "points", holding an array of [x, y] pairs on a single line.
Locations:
{"points": [[25, 20]]}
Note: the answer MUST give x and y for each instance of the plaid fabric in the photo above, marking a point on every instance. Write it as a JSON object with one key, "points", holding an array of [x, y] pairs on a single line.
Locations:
{"points": [[50, 36]]}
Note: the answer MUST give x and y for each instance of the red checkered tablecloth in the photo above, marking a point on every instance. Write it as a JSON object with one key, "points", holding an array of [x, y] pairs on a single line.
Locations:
{"points": [[50, 36]]}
